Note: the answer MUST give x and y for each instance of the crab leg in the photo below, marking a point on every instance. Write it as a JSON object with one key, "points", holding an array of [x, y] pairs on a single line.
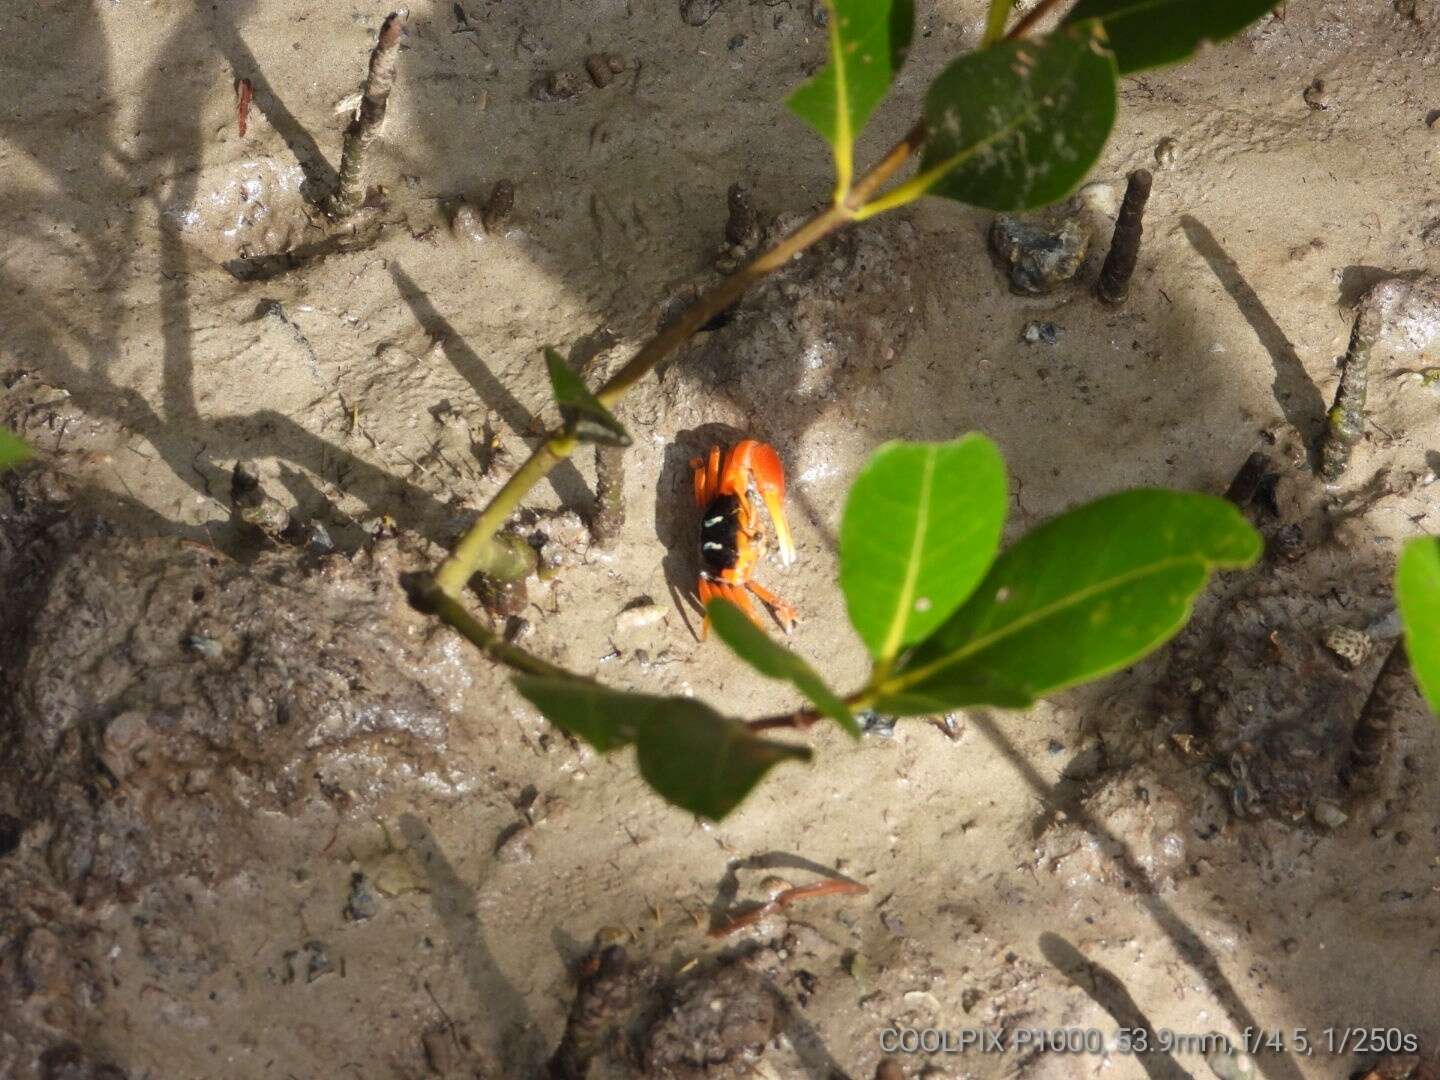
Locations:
{"points": [[767, 475], [783, 612], [710, 588]]}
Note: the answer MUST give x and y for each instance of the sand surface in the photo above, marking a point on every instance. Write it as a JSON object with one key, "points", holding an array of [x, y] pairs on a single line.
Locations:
{"points": [[1065, 868]]}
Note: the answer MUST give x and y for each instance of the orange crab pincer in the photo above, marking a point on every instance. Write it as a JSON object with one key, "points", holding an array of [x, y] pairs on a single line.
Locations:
{"points": [[728, 489]]}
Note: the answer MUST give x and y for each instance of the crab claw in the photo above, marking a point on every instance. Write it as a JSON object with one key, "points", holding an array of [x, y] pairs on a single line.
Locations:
{"points": [[767, 475]]}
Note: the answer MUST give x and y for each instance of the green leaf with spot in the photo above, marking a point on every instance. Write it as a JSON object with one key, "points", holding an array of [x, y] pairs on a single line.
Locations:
{"points": [[691, 755], [921, 526], [12, 450], [1152, 33], [1017, 125], [1417, 591], [584, 416], [770, 658], [1081, 596], [868, 42]]}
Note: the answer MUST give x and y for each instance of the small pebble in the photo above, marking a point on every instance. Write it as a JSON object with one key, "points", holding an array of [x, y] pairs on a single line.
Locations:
{"points": [[1328, 814], [467, 224], [207, 647], [318, 962], [1167, 153], [439, 1050], [698, 12], [126, 732], [774, 886], [598, 65], [1099, 197], [639, 617], [362, 903], [1040, 332], [1039, 255], [499, 206], [556, 86], [515, 847], [610, 935], [873, 723]]}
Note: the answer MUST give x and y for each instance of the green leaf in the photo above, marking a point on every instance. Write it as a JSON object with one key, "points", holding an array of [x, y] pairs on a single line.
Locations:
{"points": [[12, 450], [704, 762], [1417, 590], [1020, 124], [921, 526], [584, 416], [1081, 596], [691, 755], [868, 41], [770, 658], [995, 22], [1151, 33]]}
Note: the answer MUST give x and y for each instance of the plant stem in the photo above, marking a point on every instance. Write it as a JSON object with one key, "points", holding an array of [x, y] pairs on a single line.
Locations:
{"points": [[1027, 21], [476, 551], [429, 596], [995, 22], [350, 194]]}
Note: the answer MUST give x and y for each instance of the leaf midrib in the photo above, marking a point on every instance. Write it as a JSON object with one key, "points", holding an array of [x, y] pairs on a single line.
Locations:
{"points": [[843, 137], [1022, 117], [906, 600], [905, 680]]}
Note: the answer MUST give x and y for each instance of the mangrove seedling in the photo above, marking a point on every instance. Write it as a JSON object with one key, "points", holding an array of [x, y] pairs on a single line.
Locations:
{"points": [[1012, 126]]}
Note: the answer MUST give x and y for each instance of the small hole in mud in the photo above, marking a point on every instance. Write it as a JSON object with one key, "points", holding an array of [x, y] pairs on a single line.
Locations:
{"points": [[198, 595], [11, 830]]}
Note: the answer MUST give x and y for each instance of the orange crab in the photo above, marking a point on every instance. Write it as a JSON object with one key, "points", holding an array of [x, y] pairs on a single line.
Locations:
{"points": [[727, 488]]}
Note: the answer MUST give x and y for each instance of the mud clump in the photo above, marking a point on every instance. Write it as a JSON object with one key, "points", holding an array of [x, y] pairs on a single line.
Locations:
{"points": [[1038, 256], [817, 331], [158, 694], [1135, 832], [1259, 697], [714, 1027]]}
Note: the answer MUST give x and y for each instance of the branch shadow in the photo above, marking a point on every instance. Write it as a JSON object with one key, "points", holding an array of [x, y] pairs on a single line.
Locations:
{"points": [[1297, 395], [1110, 994], [1187, 944], [569, 486], [457, 908], [320, 176]]}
